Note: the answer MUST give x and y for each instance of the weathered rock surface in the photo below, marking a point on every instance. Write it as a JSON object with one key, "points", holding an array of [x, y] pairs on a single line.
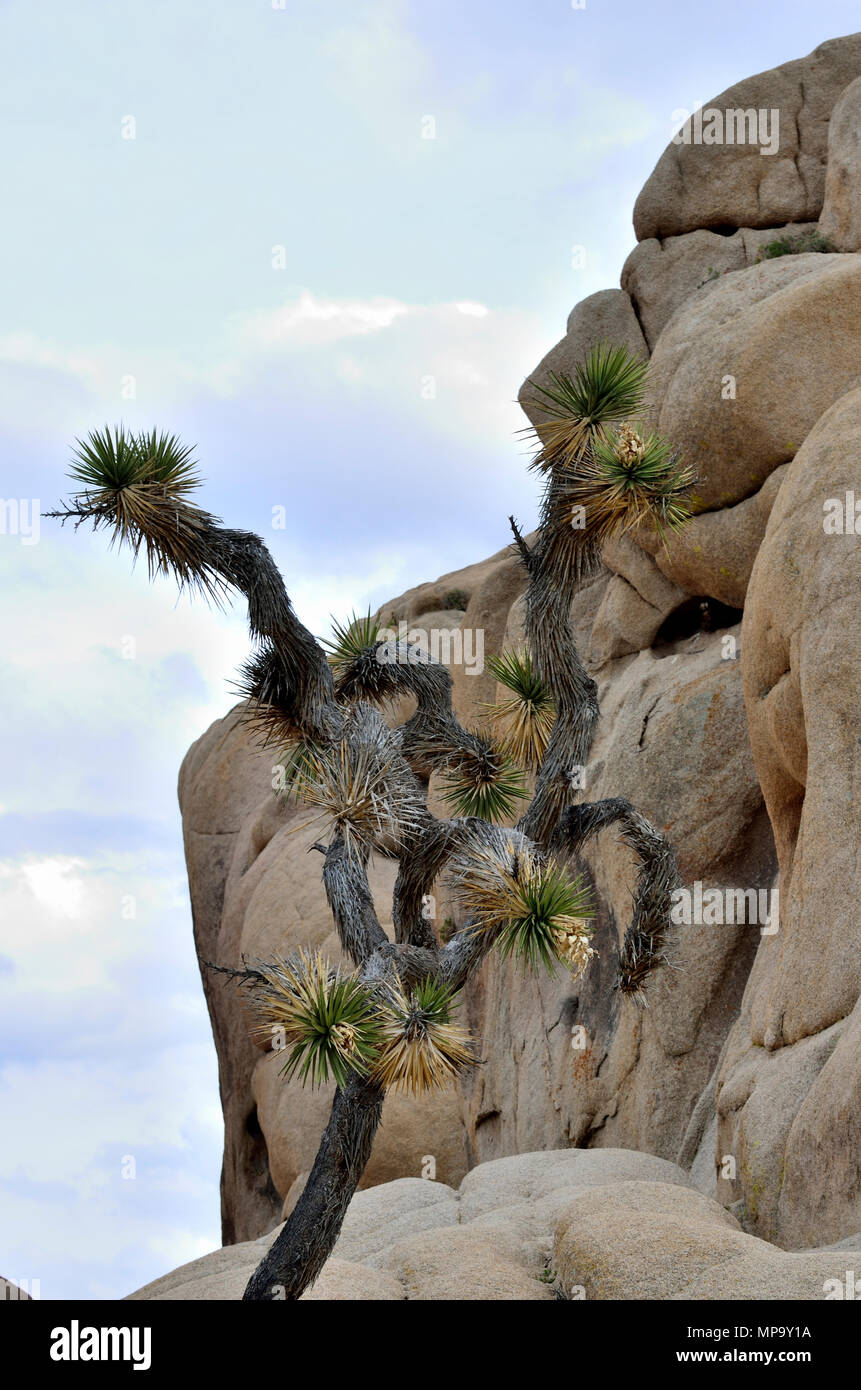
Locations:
{"points": [[713, 554], [659, 275], [649, 1240], [789, 1095], [747, 365], [571, 1224], [802, 681], [412, 1131], [841, 212], [636, 603], [733, 185]]}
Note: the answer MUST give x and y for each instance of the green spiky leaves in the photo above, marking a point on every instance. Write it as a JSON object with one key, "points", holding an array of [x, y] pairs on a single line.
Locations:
{"points": [[112, 460], [296, 764], [350, 640], [608, 386], [534, 909], [357, 660], [332, 1026], [482, 781], [421, 1049], [523, 721], [326, 1022], [630, 478], [139, 484], [608, 476]]}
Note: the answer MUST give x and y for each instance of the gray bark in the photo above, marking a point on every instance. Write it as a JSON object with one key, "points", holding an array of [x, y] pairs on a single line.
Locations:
{"points": [[295, 1259]]}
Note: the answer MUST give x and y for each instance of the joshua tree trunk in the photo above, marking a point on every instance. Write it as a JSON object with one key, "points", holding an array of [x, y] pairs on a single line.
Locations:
{"points": [[303, 1246]]}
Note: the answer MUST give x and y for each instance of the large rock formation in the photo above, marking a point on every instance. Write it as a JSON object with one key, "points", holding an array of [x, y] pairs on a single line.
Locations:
{"points": [[568, 1225], [731, 384], [841, 213], [729, 183], [789, 1088], [727, 662]]}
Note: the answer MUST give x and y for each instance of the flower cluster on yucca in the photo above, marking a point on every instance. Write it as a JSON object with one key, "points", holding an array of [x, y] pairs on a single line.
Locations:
{"points": [[535, 910], [629, 478], [629, 446], [332, 1026]]}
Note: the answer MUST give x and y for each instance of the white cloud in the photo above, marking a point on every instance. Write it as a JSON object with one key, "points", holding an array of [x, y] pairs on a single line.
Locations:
{"points": [[463, 356], [55, 883], [70, 923], [29, 350], [469, 307], [106, 1054], [312, 320]]}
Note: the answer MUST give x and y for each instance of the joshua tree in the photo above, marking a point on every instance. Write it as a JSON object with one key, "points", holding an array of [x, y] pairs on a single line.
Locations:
{"points": [[389, 1024]]}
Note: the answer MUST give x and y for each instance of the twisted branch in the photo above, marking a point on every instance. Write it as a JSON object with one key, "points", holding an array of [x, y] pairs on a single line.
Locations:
{"points": [[644, 941]]}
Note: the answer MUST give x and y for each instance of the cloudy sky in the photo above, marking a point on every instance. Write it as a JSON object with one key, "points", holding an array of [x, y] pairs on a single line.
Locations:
{"points": [[325, 240]]}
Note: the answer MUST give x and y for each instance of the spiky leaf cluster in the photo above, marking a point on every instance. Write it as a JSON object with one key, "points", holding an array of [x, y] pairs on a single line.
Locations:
{"points": [[629, 478], [326, 1022], [608, 385], [524, 721], [139, 484], [535, 910], [332, 1026], [420, 1048], [112, 460], [350, 640], [481, 780], [363, 788]]}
